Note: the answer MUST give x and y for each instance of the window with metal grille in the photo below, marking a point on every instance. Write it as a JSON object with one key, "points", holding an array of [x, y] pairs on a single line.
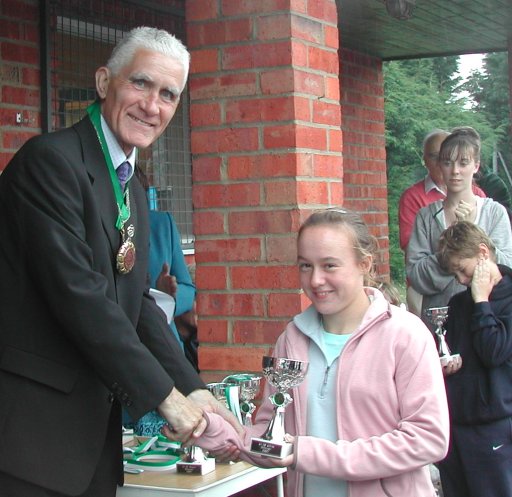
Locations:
{"points": [[79, 37]]}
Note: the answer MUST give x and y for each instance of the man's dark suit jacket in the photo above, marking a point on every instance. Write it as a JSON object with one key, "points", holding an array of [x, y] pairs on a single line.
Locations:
{"points": [[75, 336]]}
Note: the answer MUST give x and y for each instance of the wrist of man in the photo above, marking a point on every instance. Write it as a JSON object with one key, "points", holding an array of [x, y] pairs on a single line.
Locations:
{"points": [[172, 397]]}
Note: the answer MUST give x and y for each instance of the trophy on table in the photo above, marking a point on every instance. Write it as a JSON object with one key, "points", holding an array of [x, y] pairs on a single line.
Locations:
{"points": [[437, 316], [283, 374], [249, 387], [195, 461]]}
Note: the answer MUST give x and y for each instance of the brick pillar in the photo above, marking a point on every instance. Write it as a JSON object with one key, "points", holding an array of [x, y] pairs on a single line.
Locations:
{"points": [[364, 152], [19, 76], [266, 147]]}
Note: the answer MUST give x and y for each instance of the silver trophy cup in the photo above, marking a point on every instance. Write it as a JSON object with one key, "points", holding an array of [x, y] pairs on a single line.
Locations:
{"points": [[228, 393], [249, 387], [282, 374], [437, 316]]}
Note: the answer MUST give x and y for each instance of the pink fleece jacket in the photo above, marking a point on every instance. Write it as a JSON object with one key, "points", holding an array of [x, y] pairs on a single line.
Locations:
{"points": [[392, 410]]}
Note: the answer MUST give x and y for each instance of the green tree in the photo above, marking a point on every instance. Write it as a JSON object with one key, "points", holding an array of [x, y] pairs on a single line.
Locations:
{"points": [[489, 92]]}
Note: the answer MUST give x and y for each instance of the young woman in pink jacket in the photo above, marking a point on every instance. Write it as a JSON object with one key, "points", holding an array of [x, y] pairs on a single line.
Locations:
{"points": [[372, 413]]}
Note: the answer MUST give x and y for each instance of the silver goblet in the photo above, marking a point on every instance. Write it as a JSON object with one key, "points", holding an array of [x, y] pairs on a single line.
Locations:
{"points": [[282, 374], [249, 387], [228, 394], [437, 316]]}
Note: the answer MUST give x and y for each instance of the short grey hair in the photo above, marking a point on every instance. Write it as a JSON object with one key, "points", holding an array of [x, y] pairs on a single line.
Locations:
{"points": [[156, 40], [433, 134]]}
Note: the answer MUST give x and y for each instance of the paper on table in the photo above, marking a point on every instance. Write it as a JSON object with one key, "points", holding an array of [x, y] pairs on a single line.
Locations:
{"points": [[165, 302]]}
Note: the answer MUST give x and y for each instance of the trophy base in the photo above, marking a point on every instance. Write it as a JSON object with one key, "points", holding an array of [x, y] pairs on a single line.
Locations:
{"points": [[446, 359], [269, 448], [196, 467]]}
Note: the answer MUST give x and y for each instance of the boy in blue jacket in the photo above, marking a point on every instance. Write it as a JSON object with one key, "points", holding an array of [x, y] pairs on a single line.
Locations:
{"points": [[479, 384]]}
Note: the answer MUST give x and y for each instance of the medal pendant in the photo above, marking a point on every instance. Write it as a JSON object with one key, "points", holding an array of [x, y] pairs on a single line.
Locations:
{"points": [[125, 259]]}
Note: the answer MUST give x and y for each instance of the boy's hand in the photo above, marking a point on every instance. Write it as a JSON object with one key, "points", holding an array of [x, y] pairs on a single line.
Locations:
{"points": [[481, 283], [452, 366], [166, 282]]}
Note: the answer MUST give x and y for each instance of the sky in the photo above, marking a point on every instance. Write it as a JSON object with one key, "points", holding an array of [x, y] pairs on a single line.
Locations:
{"points": [[468, 63]]}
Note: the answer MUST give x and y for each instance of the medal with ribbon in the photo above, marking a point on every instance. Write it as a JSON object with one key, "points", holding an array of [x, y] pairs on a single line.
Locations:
{"points": [[155, 454], [125, 258], [126, 255]]}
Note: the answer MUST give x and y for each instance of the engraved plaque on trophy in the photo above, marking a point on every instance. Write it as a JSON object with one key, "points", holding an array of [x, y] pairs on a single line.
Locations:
{"points": [[437, 316], [249, 387], [283, 374]]}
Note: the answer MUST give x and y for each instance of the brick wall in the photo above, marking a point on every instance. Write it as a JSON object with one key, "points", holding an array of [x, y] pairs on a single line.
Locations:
{"points": [[266, 145], [270, 142], [364, 153], [19, 75]]}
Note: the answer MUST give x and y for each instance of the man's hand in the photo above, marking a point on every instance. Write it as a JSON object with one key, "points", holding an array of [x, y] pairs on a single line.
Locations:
{"points": [[206, 401], [166, 282], [482, 281], [185, 418]]}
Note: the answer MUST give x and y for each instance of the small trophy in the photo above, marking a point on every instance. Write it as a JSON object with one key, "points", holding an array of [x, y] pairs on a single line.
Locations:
{"points": [[195, 461], [249, 387], [437, 316], [283, 374]]}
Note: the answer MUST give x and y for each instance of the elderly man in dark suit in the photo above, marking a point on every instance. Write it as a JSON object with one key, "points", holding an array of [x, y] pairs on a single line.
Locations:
{"points": [[79, 334]]}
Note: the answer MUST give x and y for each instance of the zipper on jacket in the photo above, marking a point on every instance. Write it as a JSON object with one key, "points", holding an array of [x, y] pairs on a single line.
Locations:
{"points": [[324, 383]]}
